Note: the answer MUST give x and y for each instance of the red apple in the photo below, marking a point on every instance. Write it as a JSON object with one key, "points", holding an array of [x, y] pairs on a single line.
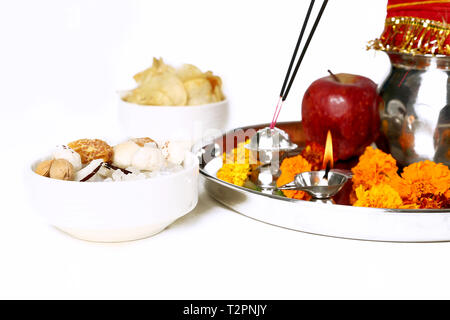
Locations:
{"points": [[345, 104]]}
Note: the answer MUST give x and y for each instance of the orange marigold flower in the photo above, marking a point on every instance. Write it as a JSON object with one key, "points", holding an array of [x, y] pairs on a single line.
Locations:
{"points": [[378, 196], [374, 167], [403, 187], [290, 167], [313, 153], [433, 201], [424, 185], [424, 178]]}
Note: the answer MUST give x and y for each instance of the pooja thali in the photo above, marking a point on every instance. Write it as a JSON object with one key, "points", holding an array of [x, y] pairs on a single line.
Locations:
{"points": [[337, 220]]}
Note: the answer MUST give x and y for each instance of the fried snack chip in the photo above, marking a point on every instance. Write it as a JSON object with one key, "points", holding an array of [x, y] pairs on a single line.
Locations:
{"points": [[158, 67], [151, 98], [199, 91], [91, 149], [163, 85], [188, 72], [169, 85], [216, 84]]}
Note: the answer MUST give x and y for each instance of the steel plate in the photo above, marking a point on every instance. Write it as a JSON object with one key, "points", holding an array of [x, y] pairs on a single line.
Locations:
{"points": [[399, 225]]}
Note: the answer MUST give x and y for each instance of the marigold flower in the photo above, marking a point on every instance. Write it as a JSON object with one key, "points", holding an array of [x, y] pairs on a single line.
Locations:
{"points": [[290, 167], [313, 153], [424, 178], [234, 173], [378, 196], [433, 201], [238, 165], [424, 185], [374, 167], [240, 155]]}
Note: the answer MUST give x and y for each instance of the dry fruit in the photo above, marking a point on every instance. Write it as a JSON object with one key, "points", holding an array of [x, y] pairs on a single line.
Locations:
{"points": [[61, 169], [43, 168], [57, 169], [91, 149]]}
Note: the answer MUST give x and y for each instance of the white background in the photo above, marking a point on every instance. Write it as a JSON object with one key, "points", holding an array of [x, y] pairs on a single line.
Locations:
{"points": [[61, 63]]}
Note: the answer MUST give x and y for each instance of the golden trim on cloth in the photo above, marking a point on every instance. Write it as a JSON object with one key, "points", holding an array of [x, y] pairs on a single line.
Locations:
{"points": [[414, 36]]}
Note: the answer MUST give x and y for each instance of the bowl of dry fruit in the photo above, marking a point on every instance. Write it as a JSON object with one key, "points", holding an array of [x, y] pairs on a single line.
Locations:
{"points": [[96, 191]]}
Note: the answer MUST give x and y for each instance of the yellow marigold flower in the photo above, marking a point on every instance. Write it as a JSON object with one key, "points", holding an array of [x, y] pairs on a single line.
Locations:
{"points": [[234, 173], [240, 155], [290, 167], [378, 196], [374, 167], [238, 165]]}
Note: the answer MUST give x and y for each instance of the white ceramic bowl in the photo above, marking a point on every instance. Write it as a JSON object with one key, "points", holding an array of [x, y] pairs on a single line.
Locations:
{"points": [[188, 123], [115, 211]]}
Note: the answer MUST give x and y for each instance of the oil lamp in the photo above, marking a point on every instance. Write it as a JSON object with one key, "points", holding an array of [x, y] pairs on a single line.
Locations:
{"points": [[322, 184]]}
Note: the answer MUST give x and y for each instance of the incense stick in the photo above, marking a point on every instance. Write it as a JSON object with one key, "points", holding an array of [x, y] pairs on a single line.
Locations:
{"points": [[291, 63], [276, 114], [272, 124], [285, 90], [297, 45], [308, 41]]}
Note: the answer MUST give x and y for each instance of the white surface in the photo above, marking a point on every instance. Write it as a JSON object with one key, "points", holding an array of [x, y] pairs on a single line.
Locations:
{"points": [[114, 211], [61, 63]]}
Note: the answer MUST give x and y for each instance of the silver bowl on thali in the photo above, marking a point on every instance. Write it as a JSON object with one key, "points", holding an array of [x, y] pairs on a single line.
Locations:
{"points": [[400, 225]]}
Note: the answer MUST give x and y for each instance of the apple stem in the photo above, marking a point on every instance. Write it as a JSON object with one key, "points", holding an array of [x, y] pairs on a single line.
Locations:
{"points": [[334, 76]]}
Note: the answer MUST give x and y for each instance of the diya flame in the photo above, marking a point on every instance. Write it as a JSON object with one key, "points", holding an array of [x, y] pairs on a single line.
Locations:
{"points": [[328, 162]]}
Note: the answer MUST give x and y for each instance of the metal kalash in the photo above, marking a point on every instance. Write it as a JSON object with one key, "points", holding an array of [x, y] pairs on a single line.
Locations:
{"points": [[415, 113]]}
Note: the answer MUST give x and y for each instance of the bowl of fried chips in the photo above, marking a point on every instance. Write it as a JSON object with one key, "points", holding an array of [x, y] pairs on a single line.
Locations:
{"points": [[185, 102]]}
